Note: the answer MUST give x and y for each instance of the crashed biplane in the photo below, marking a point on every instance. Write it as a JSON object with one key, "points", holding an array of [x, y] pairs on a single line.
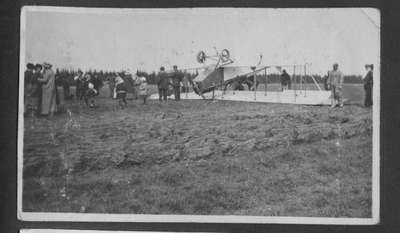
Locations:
{"points": [[214, 80]]}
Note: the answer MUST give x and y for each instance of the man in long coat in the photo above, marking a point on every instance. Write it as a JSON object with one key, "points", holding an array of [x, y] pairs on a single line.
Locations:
{"points": [[335, 82], [36, 93], [163, 83], [48, 107]]}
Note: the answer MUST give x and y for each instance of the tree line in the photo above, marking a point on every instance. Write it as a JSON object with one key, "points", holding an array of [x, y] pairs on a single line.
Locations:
{"points": [[66, 76]]}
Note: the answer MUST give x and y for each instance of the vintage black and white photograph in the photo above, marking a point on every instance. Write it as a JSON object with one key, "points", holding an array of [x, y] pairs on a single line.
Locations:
{"points": [[252, 115]]}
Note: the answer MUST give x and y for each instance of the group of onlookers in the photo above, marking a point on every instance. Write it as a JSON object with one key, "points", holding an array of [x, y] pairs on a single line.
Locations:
{"points": [[176, 80], [42, 98], [87, 87], [119, 87], [40, 92], [335, 82]]}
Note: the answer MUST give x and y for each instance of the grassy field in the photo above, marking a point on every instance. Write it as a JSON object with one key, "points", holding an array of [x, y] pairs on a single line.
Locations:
{"points": [[201, 157]]}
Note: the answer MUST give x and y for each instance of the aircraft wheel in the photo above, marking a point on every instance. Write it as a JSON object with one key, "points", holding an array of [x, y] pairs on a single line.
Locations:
{"points": [[201, 57], [225, 55]]}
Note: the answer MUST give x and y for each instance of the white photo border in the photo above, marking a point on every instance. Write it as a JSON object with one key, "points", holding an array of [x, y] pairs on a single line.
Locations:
{"points": [[146, 218]]}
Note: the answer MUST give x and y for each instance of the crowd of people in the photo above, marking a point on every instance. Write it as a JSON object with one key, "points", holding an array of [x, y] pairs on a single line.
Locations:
{"points": [[334, 82], [40, 92], [41, 96]]}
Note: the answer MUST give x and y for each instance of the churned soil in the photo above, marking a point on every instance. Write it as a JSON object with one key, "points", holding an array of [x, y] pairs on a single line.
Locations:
{"points": [[200, 157]]}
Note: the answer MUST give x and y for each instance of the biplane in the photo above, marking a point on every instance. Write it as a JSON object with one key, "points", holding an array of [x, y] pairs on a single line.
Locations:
{"points": [[215, 79]]}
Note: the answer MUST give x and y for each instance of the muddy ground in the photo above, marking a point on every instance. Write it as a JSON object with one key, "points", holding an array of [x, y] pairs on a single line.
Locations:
{"points": [[200, 157]]}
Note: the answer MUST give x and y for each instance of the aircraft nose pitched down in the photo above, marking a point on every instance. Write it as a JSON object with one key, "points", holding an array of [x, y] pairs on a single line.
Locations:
{"points": [[208, 79]]}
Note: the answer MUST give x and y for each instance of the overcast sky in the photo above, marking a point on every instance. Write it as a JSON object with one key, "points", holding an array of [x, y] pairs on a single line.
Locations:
{"points": [[149, 38]]}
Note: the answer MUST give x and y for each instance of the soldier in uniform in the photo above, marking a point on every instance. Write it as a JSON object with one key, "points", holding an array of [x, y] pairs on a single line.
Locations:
{"points": [[335, 83], [368, 82], [177, 78]]}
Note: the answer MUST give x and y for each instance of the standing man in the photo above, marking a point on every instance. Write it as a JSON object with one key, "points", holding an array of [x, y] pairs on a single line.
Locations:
{"points": [[28, 76], [177, 77], [37, 93], [79, 85], [335, 82], [65, 83], [120, 91], [111, 84], [185, 82], [285, 80], [48, 91], [368, 83], [162, 83]]}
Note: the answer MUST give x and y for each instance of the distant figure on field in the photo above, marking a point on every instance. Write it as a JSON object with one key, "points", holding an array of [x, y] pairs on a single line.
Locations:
{"points": [[177, 78], [162, 83], [335, 83], [91, 92], [91, 88], [120, 92], [111, 84], [142, 88], [49, 105], [79, 82], [185, 82], [368, 83], [66, 85], [130, 84], [285, 80]]}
